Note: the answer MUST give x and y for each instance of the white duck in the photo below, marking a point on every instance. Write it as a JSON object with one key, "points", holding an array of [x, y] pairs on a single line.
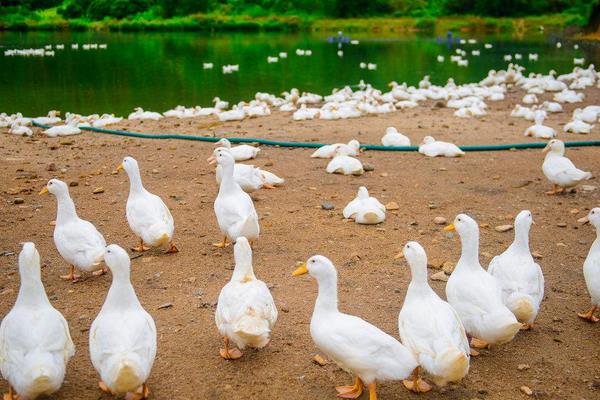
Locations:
{"points": [[365, 209], [559, 170], [328, 151], [435, 148], [148, 216], [77, 240], [67, 129], [591, 268], [353, 344], [394, 138], [246, 312], [242, 152], [578, 126], [35, 343], [431, 328], [475, 294], [220, 104], [342, 163], [520, 277], [249, 177], [234, 208], [51, 119], [539, 130], [20, 130], [123, 336]]}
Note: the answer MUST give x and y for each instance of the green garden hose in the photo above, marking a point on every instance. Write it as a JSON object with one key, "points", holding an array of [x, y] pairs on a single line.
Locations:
{"points": [[267, 142]]}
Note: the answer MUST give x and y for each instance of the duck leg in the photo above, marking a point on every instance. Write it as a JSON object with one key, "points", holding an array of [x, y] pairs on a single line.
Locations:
{"points": [[351, 392], [416, 384], [71, 276], [104, 387], [172, 249], [100, 272], [222, 244], [141, 393], [10, 395], [141, 247], [479, 344], [589, 316], [229, 354], [373, 391]]}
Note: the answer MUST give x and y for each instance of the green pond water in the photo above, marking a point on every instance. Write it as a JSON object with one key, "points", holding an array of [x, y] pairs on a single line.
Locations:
{"points": [[161, 70]]}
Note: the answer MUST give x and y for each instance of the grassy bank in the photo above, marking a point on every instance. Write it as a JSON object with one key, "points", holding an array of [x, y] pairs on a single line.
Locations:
{"points": [[51, 20]]}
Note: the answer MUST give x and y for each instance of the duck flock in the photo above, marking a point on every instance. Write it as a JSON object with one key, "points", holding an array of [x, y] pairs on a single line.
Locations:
{"points": [[484, 307]]}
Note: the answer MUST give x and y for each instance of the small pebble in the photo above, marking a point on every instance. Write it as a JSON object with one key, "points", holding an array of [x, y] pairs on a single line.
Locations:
{"points": [[526, 390], [439, 276], [98, 190], [327, 206], [523, 367], [392, 205], [561, 225], [440, 221], [368, 167], [319, 360], [503, 228], [19, 200]]}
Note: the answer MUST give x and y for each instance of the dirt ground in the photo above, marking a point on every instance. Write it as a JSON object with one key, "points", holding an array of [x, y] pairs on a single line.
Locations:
{"points": [[562, 351]]}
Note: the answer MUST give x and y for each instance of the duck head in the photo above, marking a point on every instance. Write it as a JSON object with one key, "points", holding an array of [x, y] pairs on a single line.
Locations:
{"points": [[416, 257], [242, 253], [130, 165], [29, 261], [464, 225], [224, 143], [593, 218], [319, 267], [221, 156], [524, 220], [56, 187], [117, 260], [555, 146], [363, 193], [427, 140]]}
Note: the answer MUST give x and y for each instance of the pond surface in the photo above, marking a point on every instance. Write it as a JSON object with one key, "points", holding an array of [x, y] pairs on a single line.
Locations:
{"points": [[161, 70]]}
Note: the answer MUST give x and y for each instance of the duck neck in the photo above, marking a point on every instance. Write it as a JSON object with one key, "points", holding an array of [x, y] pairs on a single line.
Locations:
{"points": [[65, 208], [31, 291], [243, 272], [121, 293], [227, 180], [470, 249], [135, 181], [327, 299], [521, 242]]}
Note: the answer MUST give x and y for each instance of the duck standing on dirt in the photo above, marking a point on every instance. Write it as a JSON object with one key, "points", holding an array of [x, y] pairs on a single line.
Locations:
{"points": [[246, 312], [35, 342], [148, 216], [591, 268], [520, 277], [475, 294], [234, 208], [77, 240], [430, 328], [559, 170], [123, 336], [353, 344], [242, 152]]}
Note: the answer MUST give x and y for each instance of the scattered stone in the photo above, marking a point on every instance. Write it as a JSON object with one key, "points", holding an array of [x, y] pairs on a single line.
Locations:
{"points": [[537, 255], [392, 205], [437, 264], [561, 225], [319, 360], [73, 183], [432, 206], [440, 221], [383, 174], [526, 390], [165, 305], [448, 267], [198, 292], [439, 276], [66, 142], [51, 167], [588, 188], [523, 367], [18, 200], [503, 228], [521, 184], [327, 206], [561, 244], [98, 190], [368, 167], [484, 225], [574, 211], [284, 308], [154, 171]]}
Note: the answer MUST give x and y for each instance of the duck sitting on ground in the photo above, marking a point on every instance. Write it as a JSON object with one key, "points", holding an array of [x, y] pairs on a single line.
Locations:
{"points": [[365, 209], [241, 152], [435, 148]]}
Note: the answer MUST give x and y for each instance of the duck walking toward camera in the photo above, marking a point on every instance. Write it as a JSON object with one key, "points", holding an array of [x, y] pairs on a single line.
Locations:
{"points": [[591, 268], [123, 336], [35, 342], [355, 345], [475, 294], [520, 277], [246, 312], [77, 240], [431, 328], [148, 216]]}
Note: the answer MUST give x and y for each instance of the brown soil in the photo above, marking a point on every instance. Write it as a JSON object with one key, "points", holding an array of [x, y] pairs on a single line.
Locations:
{"points": [[562, 351]]}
